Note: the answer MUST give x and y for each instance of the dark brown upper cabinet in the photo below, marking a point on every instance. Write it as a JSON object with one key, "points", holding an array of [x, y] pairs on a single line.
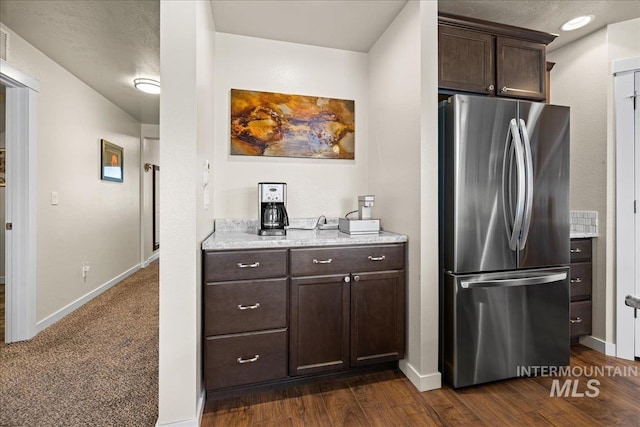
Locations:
{"points": [[476, 56]]}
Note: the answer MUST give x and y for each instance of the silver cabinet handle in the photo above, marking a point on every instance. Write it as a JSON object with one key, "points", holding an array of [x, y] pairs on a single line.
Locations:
{"points": [[376, 258], [504, 89], [347, 279], [323, 261], [575, 251], [576, 280], [251, 360], [576, 320], [356, 278], [254, 265], [248, 307], [490, 88]]}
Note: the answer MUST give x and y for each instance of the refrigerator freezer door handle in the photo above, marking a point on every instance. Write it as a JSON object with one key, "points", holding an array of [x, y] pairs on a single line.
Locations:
{"points": [[529, 183], [521, 281]]}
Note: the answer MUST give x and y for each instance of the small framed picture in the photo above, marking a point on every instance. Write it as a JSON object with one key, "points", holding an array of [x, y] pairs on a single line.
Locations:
{"points": [[3, 167], [112, 162]]}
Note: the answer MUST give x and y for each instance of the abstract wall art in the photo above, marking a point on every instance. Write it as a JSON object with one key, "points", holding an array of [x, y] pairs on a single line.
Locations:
{"points": [[280, 125]]}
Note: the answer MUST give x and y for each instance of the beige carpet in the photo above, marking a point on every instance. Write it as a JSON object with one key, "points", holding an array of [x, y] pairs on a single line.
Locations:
{"points": [[96, 367]]}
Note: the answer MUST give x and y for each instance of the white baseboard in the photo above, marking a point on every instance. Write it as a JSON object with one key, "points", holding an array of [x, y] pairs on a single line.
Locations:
{"points": [[194, 422], [2, 280], [64, 311], [152, 258], [599, 345], [421, 382]]}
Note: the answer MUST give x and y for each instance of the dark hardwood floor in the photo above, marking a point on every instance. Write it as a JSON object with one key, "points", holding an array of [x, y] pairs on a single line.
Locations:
{"points": [[389, 399]]}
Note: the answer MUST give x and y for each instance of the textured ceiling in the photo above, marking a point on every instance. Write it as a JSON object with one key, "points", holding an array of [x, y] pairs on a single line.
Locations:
{"points": [[546, 15], [108, 43], [349, 25]]}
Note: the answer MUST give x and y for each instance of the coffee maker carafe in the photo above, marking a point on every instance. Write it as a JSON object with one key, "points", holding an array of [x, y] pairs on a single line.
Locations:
{"points": [[272, 199]]}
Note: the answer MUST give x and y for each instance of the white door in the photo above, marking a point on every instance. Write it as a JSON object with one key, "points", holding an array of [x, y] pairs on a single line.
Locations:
{"points": [[627, 84], [637, 201]]}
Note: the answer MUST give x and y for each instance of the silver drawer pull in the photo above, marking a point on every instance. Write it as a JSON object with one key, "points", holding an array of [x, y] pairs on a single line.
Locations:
{"points": [[576, 320], [251, 360], [575, 251], [248, 307], [576, 280], [254, 265], [323, 261], [376, 258]]}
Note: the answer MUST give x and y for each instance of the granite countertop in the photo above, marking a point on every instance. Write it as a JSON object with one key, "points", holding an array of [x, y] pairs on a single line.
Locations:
{"points": [[243, 234], [582, 235]]}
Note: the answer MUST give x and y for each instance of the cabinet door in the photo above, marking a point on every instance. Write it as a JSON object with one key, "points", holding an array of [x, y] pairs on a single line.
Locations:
{"points": [[520, 69], [465, 60], [377, 317], [319, 320]]}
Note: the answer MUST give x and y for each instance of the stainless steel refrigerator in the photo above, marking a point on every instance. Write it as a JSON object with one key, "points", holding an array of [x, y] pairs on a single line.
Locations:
{"points": [[504, 236]]}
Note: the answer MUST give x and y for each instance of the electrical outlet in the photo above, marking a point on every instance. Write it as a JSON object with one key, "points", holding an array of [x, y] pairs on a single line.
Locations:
{"points": [[86, 267]]}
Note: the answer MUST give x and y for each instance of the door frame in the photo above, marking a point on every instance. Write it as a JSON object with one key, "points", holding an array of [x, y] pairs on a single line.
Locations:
{"points": [[21, 203], [627, 245]]}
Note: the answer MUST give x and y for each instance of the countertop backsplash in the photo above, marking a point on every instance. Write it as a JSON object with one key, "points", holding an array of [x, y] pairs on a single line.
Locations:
{"points": [[584, 224]]}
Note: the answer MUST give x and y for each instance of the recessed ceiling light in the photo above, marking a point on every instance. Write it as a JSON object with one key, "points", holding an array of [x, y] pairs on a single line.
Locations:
{"points": [[147, 85], [575, 23]]}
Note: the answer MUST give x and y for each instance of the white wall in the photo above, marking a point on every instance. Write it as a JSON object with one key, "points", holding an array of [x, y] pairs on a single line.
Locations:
{"points": [[403, 172], [96, 221], [314, 186], [582, 79], [186, 129], [579, 80]]}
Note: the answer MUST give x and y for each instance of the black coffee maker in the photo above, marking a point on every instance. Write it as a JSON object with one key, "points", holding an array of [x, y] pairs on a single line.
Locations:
{"points": [[272, 199]]}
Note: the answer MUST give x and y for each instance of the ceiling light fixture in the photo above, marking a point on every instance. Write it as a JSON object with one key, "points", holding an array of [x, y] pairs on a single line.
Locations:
{"points": [[575, 23], [147, 85]]}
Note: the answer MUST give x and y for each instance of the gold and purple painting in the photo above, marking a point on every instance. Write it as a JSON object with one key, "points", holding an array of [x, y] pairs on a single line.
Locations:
{"points": [[280, 125]]}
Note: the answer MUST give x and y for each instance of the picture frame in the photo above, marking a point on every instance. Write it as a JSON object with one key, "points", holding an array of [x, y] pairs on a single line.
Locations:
{"points": [[270, 124], [3, 167], [111, 162]]}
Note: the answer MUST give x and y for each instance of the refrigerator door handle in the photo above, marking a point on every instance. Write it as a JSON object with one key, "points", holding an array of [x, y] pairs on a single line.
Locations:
{"points": [[529, 185], [520, 281], [513, 144]]}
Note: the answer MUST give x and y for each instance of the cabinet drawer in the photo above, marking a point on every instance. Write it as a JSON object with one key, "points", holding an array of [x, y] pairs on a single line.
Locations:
{"points": [[580, 318], [580, 279], [244, 265], [580, 250], [245, 358], [231, 307], [320, 261]]}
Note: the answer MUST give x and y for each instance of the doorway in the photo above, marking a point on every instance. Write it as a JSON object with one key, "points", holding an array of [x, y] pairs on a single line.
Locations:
{"points": [[21, 95], [627, 116], [3, 157]]}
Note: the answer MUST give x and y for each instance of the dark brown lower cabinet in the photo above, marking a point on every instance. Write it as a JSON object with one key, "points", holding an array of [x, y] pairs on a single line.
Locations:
{"points": [[581, 285], [319, 340], [271, 328], [377, 317], [343, 321]]}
